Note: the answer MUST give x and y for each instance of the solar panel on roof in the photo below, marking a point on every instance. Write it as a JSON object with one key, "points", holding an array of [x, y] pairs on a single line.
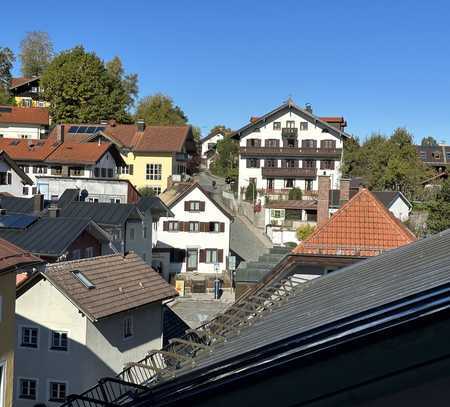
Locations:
{"points": [[82, 129], [20, 221], [99, 129], [73, 129], [5, 109], [90, 129]]}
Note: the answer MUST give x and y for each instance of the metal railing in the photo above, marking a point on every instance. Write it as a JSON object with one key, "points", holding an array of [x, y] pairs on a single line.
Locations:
{"points": [[160, 365]]}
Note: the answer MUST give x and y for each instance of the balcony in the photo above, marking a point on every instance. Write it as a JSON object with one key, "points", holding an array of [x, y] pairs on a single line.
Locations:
{"points": [[272, 152], [289, 132], [297, 173]]}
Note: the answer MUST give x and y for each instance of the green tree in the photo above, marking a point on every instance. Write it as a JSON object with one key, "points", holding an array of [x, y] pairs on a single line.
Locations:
{"points": [[295, 194], [36, 53], [250, 192], [304, 231], [7, 59], [220, 128], [197, 133], [80, 88], [146, 192], [227, 162], [429, 142], [160, 109], [439, 210]]}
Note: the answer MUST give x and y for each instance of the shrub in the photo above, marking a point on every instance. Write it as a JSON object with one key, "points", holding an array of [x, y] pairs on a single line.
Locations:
{"points": [[147, 192], [304, 231], [295, 194], [250, 192]]}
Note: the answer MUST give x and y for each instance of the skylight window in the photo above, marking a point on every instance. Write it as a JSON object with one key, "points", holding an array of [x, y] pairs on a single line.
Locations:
{"points": [[83, 279]]}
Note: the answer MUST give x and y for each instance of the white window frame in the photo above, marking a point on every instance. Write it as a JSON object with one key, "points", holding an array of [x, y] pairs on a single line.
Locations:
{"points": [[153, 172], [195, 226], [49, 389], [212, 258], [194, 206], [51, 347], [172, 227], [3, 367], [21, 328], [19, 387], [126, 327]]}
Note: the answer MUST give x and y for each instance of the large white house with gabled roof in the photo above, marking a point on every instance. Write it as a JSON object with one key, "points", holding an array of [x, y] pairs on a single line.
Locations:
{"points": [[290, 147]]}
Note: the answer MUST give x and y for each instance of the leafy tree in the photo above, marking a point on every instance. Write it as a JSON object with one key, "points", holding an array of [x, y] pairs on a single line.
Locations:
{"points": [[304, 231], [160, 109], [220, 128], [295, 194], [36, 53], [429, 142], [439, 210], [197, 133], [147, 192], [80, 88], [227, 161], [250, 192], [7, 59]]}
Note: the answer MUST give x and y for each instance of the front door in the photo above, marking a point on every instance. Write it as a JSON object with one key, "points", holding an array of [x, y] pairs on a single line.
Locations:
{"points": [[192, 259]]}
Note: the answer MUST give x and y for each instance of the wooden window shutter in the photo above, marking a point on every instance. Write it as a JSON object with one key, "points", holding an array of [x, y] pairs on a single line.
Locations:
{"points": [[9, 178], [131, 169], [220, 255], [186, 205], [332, 165], [247, 163], [166, 226], [202, 257], [184, 226], [258, 163], [181, 255], [322, 165], [222, 227], [202, 206], [119, 170], [204, 227], [257, 143]]}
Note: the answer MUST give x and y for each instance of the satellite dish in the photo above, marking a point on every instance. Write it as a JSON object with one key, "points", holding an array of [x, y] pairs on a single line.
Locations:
{"points": [[83, 195]]}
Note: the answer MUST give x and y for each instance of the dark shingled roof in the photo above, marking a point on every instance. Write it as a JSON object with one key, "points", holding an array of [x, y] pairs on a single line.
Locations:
{"points": [[48, 236], [153, 203], [121, 283], [103, 213], [366, 285], [69, 195]]}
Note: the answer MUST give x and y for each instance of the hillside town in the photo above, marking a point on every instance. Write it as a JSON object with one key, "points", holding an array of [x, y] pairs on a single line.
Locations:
{"points": [[146, 261]]}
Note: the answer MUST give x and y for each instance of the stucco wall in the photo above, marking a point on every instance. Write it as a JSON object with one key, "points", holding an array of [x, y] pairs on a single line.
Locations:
{"points": [[15, 188], [400, 209], [140, 245], [11, 130], [7, 333]]}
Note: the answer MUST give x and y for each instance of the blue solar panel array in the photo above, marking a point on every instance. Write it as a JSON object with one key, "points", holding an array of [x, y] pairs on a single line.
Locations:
{"points": [[17, 221], [85, 129]]}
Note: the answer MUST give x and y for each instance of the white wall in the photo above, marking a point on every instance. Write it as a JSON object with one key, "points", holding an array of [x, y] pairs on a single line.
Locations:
{"points": [[102, 189], [400, 210], [213, 140], [15, 188], [197, 240], [12, 130], [267, 132], [46, 308]]}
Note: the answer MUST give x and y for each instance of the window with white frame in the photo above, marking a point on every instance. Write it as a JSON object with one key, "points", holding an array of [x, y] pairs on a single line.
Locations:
{"points": [[127, 327], [29, 337], [212, 256], [58, 341], [214, 227], [194, 206], [303, 126], [28, 389], [153, 171], [194, 226], [57, 391], [173, 226]]}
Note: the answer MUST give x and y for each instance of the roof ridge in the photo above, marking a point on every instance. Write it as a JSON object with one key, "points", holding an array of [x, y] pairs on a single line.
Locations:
{"points": [[58, 265]]}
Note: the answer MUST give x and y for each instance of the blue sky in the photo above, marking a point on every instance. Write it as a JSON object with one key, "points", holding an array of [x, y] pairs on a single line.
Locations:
{"points": [[381, 64]]}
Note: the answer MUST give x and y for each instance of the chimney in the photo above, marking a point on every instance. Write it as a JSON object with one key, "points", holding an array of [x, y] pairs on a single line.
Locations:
{"points": [[38, 203], [308, 108], [53, 211], [323, 202], [344, 194], [254, 119], [104, 122], [112, 123], [60, 133], [140, 125]]}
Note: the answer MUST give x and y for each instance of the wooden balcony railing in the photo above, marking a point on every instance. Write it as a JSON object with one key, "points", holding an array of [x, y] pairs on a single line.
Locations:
{"points": [[289, 131], [298, 173], [290, 152]]}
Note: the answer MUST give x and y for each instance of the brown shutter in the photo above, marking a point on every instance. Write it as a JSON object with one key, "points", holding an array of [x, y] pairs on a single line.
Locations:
{"points": [[202, 206], [9, 178], [131, 169], [119, 170], [186, 205], [202, 257], [258, 163], [332, 164], [220, 255], [247, 163], [166, 226], [257, 143], [204, 227], [322, 165], [222, 227]]}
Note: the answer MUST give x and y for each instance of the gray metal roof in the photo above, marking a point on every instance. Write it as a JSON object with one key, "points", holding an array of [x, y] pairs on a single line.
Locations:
{"points": [[157, 207], [101, 213], [371, 283], [16, 204], [47, 236], [69, 195]]}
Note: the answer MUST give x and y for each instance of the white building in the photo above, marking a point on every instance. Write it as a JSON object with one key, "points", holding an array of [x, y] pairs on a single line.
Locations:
{"points": [[290, 147], [23, 122], [396, 202], [208, 146], [198, 234], [13, 179], [82, 320]]}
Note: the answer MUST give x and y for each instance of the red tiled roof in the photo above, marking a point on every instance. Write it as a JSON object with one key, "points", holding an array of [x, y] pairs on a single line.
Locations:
{"points": [[28, 150], [82, 153], [25, 115], [13, 256], [334, 119], [20, 278], [15, 82], [291, 204], [362, 227]]}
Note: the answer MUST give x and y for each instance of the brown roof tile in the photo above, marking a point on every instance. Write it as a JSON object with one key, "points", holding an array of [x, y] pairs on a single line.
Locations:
{"points": [[22, 80], [12, 256], [362, 227], [291, 204], [26, 115], [24, 150], [121, 283], [83, 153]]}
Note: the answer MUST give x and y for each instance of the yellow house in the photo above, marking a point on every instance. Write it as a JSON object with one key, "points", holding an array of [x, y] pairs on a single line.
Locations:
{"points": [[152, 153], [13, 260], [27, 92]]}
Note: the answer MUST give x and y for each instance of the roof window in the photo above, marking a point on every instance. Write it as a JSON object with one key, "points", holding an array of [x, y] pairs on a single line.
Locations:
{"points": [[83, 279]]}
